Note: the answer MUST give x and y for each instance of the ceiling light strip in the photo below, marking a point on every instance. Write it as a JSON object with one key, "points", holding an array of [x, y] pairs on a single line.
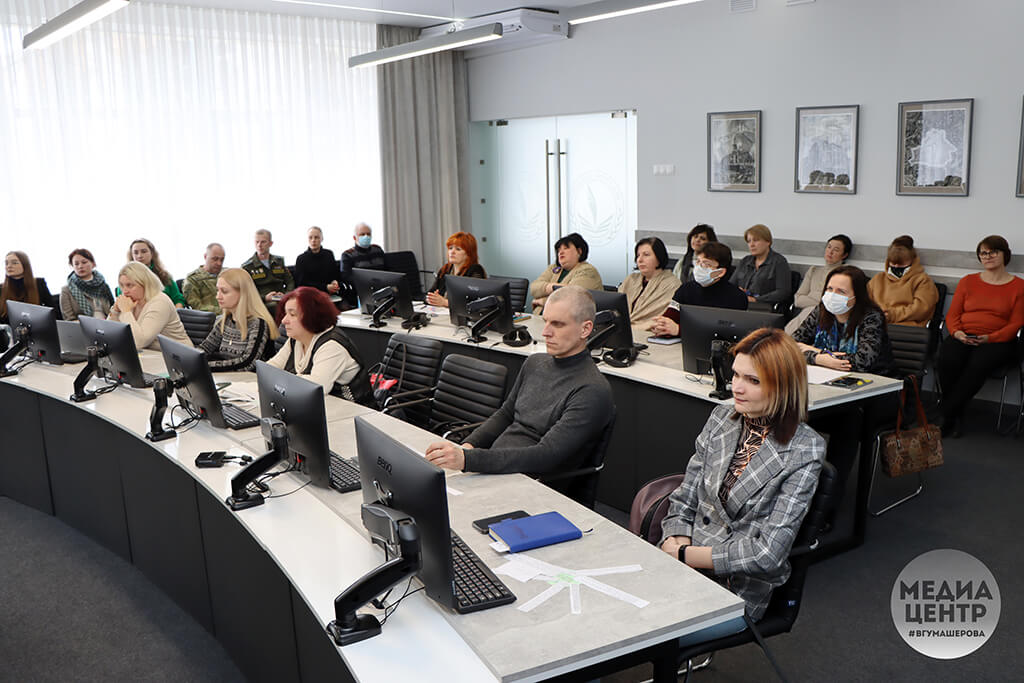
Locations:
{"points": [[425, 46], [609, 9], [375, 10], [70, 21]]}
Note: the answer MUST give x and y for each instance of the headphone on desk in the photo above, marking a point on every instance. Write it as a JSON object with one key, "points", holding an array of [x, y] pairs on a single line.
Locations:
{"points": [[621, 358], [519, 336]]}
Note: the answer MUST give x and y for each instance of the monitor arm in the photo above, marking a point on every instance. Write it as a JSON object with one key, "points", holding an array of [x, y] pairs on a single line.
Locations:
{"points": [[162, 389], [397, 532], [384, 300], [21, 335], [489, 308], [604, 325], [240, 498], [92, 353], [719, 348]]}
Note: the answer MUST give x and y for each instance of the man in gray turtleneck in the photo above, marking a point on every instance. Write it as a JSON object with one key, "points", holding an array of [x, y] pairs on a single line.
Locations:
{"points": [[557, 409]]}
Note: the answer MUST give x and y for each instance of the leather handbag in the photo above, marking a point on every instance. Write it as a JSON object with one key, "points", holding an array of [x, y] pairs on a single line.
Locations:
{"points": [[905, 451], [650, 505]]}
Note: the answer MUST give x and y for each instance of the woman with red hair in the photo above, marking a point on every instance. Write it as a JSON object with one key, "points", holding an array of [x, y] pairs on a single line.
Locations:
{"points": [[318, 349], [462, 260]]}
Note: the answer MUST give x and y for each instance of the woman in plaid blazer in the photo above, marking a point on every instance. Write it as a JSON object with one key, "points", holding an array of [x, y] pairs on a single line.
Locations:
{"points": [[752, 477]]}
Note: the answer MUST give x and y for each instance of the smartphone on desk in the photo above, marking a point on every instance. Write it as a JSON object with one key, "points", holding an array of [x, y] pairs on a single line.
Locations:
{"points": [[848, 382], [483, 525]]}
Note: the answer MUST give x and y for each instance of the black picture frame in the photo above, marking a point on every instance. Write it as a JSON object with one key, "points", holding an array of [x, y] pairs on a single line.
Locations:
{"points": [[734, 151], [934, 148], [825, 150]]}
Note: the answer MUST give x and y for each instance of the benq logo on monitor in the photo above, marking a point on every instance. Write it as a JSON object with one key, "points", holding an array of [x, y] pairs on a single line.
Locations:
{"points": [[383, 464], [280, 389]]}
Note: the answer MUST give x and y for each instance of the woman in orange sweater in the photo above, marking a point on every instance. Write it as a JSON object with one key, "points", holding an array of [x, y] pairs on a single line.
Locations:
{"points": [[983, 319]]}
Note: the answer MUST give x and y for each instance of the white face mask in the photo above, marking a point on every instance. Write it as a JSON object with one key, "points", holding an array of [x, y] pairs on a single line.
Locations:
{"points": [[836, 304], [703, 276]]}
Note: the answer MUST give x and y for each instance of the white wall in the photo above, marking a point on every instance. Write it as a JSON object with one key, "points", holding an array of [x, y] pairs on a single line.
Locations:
{"points": [[675, 65]]}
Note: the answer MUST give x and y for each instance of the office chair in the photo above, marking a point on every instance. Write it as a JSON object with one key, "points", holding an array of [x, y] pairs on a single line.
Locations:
{"points": [[581, 484], [197, 323], [468, 391], [784, 604], [405, 262], [518, 287], [413, 361]]}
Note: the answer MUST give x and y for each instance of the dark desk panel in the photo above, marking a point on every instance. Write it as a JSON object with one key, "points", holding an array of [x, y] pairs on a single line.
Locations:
{"points": [[23, 468]]}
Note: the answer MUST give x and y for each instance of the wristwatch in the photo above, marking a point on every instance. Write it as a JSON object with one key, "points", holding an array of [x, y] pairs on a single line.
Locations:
{"points": [[681, 553]]}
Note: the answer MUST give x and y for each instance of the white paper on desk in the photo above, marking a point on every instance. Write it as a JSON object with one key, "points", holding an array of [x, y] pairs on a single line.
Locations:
{"points": [[575, 604], [245, 391], [819, 375], [499, 547], [613, 592], [453, 492], [518, 571], [542, 598]]}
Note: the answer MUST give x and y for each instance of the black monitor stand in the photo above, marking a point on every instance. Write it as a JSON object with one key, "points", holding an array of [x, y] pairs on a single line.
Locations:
{"points": [[397, 533], [21, 343], [383, 307], [719, 348], [241, 498], [476, 330], [162, 388], [92, 355]]}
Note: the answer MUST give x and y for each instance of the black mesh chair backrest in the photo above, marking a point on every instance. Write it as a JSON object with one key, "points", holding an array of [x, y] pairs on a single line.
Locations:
{"points": [[936, 323], [795, 278], [197, 323], [910, 347], [414, 360], [469, 390], [518, 287], [405, 262]]}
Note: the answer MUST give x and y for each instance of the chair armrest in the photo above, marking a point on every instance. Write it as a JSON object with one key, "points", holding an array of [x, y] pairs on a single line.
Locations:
{"points": [[457, 429], [805, 548], [559, 476], [407, 394], [396, 406]]}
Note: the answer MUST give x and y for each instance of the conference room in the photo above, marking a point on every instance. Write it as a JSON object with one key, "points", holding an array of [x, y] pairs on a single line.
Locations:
{"points": [[219, 118]]}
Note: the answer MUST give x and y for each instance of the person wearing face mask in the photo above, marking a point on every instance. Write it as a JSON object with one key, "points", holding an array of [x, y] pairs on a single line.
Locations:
{"points": [[648, 290], [808, 295], [709, 287], [904, 292], [86, 292], [846, 331], [570, 268], [365, 254], [700, 235]]}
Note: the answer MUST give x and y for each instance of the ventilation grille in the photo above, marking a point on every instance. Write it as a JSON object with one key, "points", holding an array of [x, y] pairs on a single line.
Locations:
{"points": [[742, 5]]}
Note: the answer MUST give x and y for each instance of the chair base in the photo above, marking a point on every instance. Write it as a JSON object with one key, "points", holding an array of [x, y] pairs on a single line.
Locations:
{"points": [[876, 457]]}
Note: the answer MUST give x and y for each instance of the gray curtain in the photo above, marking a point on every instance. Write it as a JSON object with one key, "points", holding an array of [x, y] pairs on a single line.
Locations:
{"points": [[424, 135]]}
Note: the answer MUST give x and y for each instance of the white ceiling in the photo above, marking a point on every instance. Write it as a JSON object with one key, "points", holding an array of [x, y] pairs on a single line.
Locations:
{"points": [[461, 9]]}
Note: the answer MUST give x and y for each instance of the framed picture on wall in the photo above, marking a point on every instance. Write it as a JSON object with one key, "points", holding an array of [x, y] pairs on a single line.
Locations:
{"points": [[934, 156], [1020, 157], [734, 151], [826, 149]]}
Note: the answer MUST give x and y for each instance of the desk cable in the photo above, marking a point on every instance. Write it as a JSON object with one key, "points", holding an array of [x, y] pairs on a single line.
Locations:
{"points": [[390, 609]]}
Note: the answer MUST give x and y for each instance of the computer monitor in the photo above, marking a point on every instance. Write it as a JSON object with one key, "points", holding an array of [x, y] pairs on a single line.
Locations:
{"points": [[299, 403], [369, 283], [613, 333], [193, 381], [36, 328], [118, 357], [482, 304], [395, 475], [700, 325]]}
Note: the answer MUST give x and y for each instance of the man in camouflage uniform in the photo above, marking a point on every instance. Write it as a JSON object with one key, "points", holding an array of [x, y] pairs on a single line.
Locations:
{"points": [[271, 276], [200, 288]]}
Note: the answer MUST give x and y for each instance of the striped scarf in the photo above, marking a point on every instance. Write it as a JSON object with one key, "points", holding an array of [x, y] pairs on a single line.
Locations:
{"points": [[83, 292], [755, 431]]}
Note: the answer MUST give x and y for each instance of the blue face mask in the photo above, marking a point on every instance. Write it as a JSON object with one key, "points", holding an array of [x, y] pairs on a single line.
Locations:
{"points": [[703, 276], [364, 241], [836, 304]]}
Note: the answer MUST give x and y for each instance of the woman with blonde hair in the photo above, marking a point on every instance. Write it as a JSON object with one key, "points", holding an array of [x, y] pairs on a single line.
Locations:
{"points": [[143, 305], [143, 251], [751, 478], [763, 275], [241, 332]]}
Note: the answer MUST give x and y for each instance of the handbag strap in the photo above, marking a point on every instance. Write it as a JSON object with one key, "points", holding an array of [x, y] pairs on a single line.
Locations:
{"points": [[922, 419]]}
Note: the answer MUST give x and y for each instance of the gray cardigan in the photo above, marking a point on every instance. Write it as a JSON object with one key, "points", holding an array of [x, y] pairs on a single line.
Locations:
{"points": [[771, 283], [751, 536]]}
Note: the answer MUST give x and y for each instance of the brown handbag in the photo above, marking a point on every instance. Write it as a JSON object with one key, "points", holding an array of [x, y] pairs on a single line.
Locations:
{"points": [[911, 450]]}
